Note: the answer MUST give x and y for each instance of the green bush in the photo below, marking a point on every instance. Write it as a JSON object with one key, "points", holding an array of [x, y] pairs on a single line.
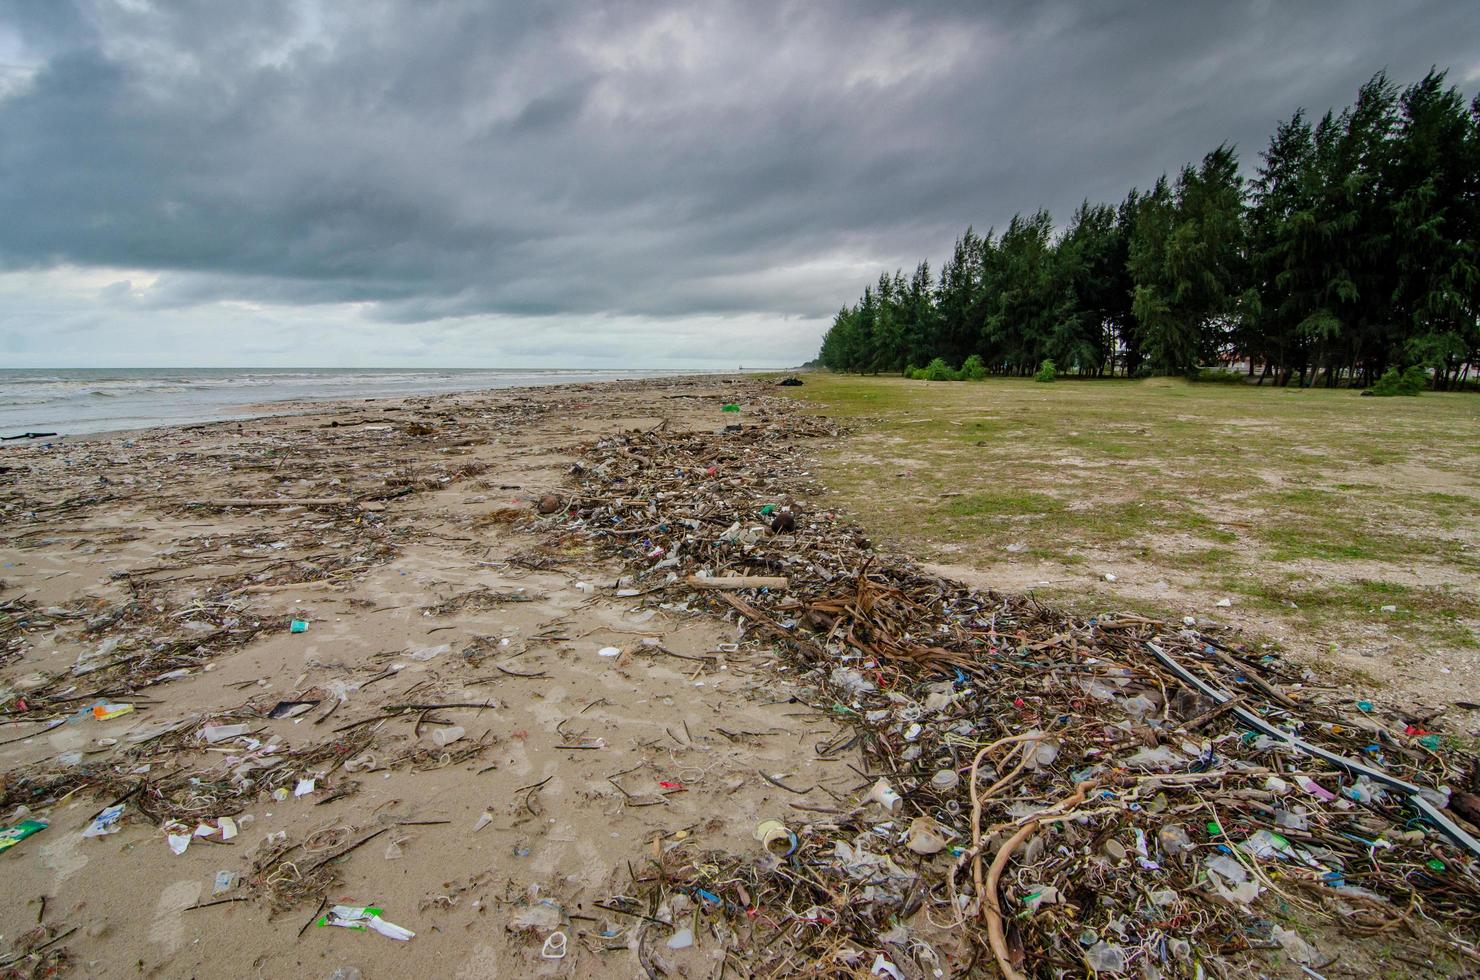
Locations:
{"points": [[1407, 384], [973, 369], [1046, 371], [939, 370], [912, 372], [1218, 376]]}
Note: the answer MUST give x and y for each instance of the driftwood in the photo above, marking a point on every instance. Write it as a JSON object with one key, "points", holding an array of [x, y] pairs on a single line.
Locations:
{"points": [[729, 582], [274, 502]]}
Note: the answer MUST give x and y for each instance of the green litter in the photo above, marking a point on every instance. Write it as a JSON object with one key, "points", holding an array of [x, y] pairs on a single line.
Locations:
{"points": [[1429, 741], [11, 836], [730, 408], [368, 910], [768, 509], [1213, 828], [1436, 864], [298, 626]]}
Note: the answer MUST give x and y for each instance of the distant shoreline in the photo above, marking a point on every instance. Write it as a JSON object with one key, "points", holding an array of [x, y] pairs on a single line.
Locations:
{"points": [[75, 403]]}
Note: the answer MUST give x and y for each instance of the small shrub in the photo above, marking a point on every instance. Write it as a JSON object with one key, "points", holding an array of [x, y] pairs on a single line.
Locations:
{"points": [[1218, 376], [1408, 384], [939, 370], [912, 372], [1414, 380], [973, 369], [1046, 371]]}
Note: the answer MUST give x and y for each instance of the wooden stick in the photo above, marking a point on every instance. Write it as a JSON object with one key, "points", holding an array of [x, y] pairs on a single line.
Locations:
{"points": [[275, 502], [991, 908], [739, 582], [317, 583]]}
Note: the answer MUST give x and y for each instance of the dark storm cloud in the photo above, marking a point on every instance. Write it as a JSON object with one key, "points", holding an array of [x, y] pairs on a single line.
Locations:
{"points": [[448, 159]]}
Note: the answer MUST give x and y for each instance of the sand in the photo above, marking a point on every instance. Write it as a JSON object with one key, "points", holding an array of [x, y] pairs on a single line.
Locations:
{"points": [[582, 763]]}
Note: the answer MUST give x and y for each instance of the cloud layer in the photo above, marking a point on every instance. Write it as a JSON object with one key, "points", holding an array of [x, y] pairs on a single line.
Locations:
{"points": [[628, 182]]}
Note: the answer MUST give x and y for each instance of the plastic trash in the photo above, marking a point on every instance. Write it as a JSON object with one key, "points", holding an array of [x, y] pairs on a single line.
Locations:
{"points": [[1105, 957], [423, 654], [883, 794], [304, 787], [883, 968], [367, 917], [1231, 880], [1160, 757], [291, 709], [446, 736], [225, 882], [11, 836], [851, 681], [609, 652], [682, 939], [541, 916], [926, 836], [484, 819], [775, 837], [1295, 946], [1265, 845], [1316, 789], [228, 828], [1291, 820], [1043, 753], [945, 780], [107, 712], [1173, 839], [178, 836], [1038, 895], [298, 626], [220, 733], [105, 823], [1364, 790], [555, 946]]}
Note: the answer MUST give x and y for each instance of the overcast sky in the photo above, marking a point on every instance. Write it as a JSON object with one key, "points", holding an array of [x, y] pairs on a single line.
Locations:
{"points": [[625, 184]]}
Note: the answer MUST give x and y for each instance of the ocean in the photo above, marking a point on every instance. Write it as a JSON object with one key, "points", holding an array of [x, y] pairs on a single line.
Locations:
{"points": [[75, 402]]}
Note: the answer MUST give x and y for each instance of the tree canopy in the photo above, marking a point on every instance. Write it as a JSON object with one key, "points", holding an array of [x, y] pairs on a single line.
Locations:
{"points": [[1352, 250]]}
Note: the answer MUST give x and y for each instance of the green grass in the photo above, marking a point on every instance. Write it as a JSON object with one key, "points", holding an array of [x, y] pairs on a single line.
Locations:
{"points": [[1337, 503]]}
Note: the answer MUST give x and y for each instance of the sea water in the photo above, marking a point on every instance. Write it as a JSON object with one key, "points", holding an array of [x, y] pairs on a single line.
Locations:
{"points": [[74, 402]]}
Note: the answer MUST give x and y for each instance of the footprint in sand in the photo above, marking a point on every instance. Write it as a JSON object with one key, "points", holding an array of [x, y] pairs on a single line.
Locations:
{"points": [[168, 928], [63, 854]]}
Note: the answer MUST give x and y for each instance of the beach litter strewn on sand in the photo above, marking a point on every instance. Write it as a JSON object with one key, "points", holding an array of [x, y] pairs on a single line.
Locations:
{"points": [[685, 720], [1115, 793]]}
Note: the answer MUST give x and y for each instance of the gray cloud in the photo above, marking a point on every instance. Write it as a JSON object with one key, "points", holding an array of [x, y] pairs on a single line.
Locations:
{"points": [[445, 161]]}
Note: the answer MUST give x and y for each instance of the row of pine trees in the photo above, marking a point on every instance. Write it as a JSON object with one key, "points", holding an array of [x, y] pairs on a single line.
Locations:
{"points": [[1355, 248]]}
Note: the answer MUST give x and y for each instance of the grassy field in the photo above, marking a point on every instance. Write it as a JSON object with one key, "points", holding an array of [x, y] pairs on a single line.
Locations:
{"points": [[1342, 528]]}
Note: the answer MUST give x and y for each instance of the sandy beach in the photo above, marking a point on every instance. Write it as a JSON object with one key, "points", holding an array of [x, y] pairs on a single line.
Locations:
{"points": [[577, 765], [385, 654]]}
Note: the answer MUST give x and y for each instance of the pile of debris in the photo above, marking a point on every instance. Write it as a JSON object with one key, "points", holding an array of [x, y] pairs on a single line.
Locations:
{"points": [[1114, 794]]}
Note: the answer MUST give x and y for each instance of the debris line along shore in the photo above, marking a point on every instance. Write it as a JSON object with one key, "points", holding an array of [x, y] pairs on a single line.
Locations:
{"points": [[1115, 794]]}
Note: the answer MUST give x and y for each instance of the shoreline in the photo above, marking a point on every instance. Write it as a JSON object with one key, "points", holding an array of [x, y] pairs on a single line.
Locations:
{"points": [[252, 411], [231, 411]]}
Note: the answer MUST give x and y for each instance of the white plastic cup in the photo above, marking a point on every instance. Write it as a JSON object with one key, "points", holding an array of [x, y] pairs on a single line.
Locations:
{"points": [[448, 735]]}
